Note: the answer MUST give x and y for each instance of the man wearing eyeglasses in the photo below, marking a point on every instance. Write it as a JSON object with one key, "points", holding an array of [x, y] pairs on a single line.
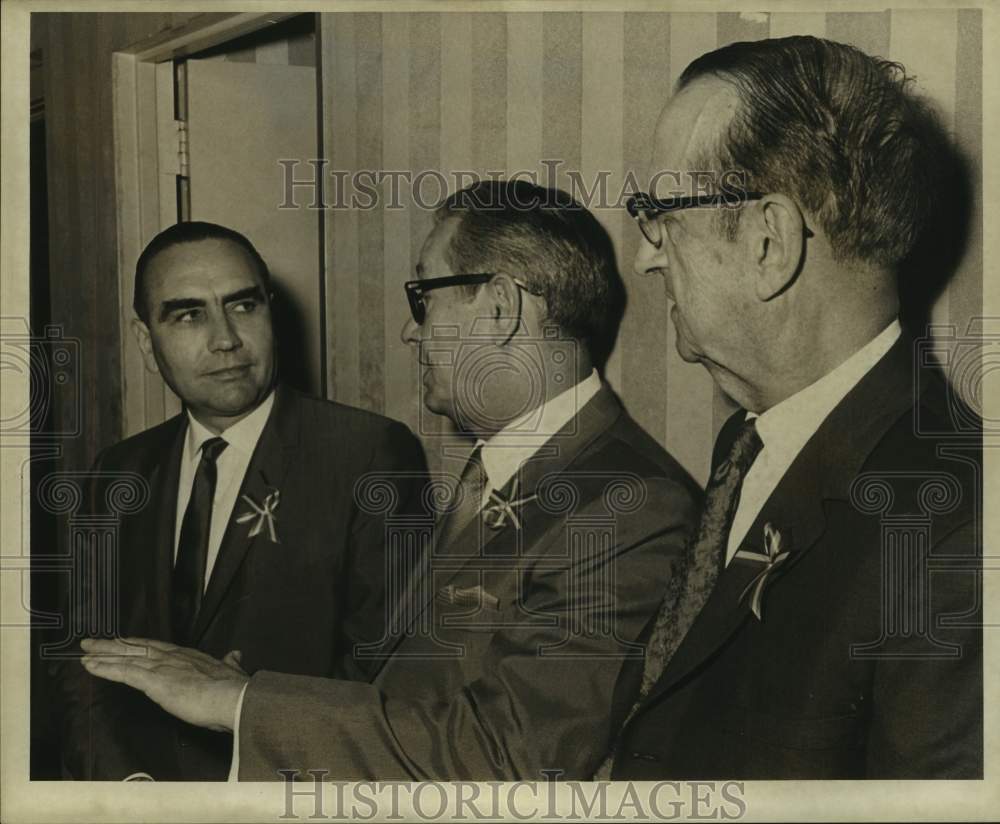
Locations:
{"points": [[828, 621], [552, 554]]}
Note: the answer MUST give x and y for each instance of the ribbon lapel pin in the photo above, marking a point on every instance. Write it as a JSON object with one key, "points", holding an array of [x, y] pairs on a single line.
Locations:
{"points": [[500, 508], [774, 556], [261, 514]]}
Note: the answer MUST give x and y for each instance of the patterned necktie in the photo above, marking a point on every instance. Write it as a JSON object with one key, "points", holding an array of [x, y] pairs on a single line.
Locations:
{"points": [[192, 548], [692, 584], [467, 499]]}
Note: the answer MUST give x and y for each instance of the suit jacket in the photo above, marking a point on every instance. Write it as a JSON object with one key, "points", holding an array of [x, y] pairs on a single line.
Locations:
{"points": [[867, 662], [296, 605], [511, 639]]}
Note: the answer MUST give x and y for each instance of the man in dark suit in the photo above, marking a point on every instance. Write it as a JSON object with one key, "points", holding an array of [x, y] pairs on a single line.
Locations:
{"points": [[251, 539], [828, 622], [505, 647]]}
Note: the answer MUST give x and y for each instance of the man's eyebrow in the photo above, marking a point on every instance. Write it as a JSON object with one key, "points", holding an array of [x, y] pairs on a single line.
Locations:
{"points": [[243, 294], [168, 307], [420, 269]]}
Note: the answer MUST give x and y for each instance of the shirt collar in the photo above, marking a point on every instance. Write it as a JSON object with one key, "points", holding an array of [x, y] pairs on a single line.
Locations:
{"points": [[242, 435], [505, 451], [788, 425]]}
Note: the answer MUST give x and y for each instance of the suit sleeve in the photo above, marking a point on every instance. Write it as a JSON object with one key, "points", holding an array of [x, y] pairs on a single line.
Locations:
{"points": [[927, 713], [397, 456], [542, 697]]}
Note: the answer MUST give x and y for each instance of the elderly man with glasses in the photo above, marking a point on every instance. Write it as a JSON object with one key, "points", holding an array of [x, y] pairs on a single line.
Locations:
{"points": [[827, 624], [553, 552]]}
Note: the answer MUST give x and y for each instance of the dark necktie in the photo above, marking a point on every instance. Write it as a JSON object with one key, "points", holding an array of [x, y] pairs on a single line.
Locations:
{"points": [[691, 585], [467, 499], [192, 548]]}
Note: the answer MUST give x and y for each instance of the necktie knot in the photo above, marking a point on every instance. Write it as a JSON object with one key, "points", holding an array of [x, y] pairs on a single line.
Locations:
{"points": [[743, 450], [474, 464], [746, 447], [212, 448], [473, 479]]}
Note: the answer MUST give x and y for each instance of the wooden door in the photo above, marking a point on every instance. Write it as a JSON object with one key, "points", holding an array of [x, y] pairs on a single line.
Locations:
{"points": [[242, 119]]}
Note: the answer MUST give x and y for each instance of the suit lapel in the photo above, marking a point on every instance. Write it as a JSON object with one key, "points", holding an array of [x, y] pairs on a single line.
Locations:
{"points": [[476, 539], [823, 470], [472, 541], [265, 473], [157, 524]]}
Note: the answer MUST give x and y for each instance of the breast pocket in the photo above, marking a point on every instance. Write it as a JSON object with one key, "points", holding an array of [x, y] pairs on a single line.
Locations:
{"points": [[796, 733]]}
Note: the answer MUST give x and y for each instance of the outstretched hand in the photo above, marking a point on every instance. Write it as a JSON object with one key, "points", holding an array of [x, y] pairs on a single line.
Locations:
{"points": [[187, 683]]}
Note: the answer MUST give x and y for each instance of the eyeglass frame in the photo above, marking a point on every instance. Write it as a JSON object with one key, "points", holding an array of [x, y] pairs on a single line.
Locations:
{"points": [[416, 288], [647, 209]]}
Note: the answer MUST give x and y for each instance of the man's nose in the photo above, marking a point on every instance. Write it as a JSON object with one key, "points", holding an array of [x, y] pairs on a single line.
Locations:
{"points": [[410, 332], [648, 258], [224, 337]]}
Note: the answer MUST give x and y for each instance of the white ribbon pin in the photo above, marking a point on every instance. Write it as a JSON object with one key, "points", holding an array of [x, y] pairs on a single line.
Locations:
{"points": [[262, 514]]}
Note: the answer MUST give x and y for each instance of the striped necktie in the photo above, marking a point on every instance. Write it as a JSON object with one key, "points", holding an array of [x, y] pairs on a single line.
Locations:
{"points": [[467, 499]]}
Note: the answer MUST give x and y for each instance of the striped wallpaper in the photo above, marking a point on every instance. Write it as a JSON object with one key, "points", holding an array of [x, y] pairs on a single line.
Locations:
{"points": [[493, 92]]}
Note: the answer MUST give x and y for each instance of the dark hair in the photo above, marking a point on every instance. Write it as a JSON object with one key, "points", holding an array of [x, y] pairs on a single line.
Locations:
{"points": [[188, 232], [545, 238], [836, 130]]}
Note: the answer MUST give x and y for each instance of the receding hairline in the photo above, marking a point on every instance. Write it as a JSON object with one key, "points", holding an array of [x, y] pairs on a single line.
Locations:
{"points": [[705, 124], [182, 242], [150, 269]]}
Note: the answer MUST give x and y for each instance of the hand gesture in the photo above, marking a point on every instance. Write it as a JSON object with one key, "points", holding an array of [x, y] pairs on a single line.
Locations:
{"points": [[187, 683]]}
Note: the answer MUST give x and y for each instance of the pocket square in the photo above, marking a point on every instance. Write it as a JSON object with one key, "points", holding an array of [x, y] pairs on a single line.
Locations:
{"points": [[467, 596]]}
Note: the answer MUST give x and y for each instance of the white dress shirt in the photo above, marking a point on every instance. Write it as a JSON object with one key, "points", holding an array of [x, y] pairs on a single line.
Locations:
{"points": [[231, 466], [786, 427], [502, 455], [517, 442]]}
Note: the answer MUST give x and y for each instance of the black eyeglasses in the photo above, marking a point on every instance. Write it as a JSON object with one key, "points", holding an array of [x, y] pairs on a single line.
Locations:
{"points": [[415, 289], [647, 209]]}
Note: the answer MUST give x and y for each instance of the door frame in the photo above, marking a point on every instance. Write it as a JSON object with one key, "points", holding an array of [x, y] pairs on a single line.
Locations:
{"points": [[145, 177]]}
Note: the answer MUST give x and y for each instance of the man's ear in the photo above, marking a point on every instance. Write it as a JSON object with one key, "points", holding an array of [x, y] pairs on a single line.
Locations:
{"points": [[502, 299], [778, 239], [142, 337]]}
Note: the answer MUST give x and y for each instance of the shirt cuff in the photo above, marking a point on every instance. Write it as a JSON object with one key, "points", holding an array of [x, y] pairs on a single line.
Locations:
{"points": [[234, 767]]}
